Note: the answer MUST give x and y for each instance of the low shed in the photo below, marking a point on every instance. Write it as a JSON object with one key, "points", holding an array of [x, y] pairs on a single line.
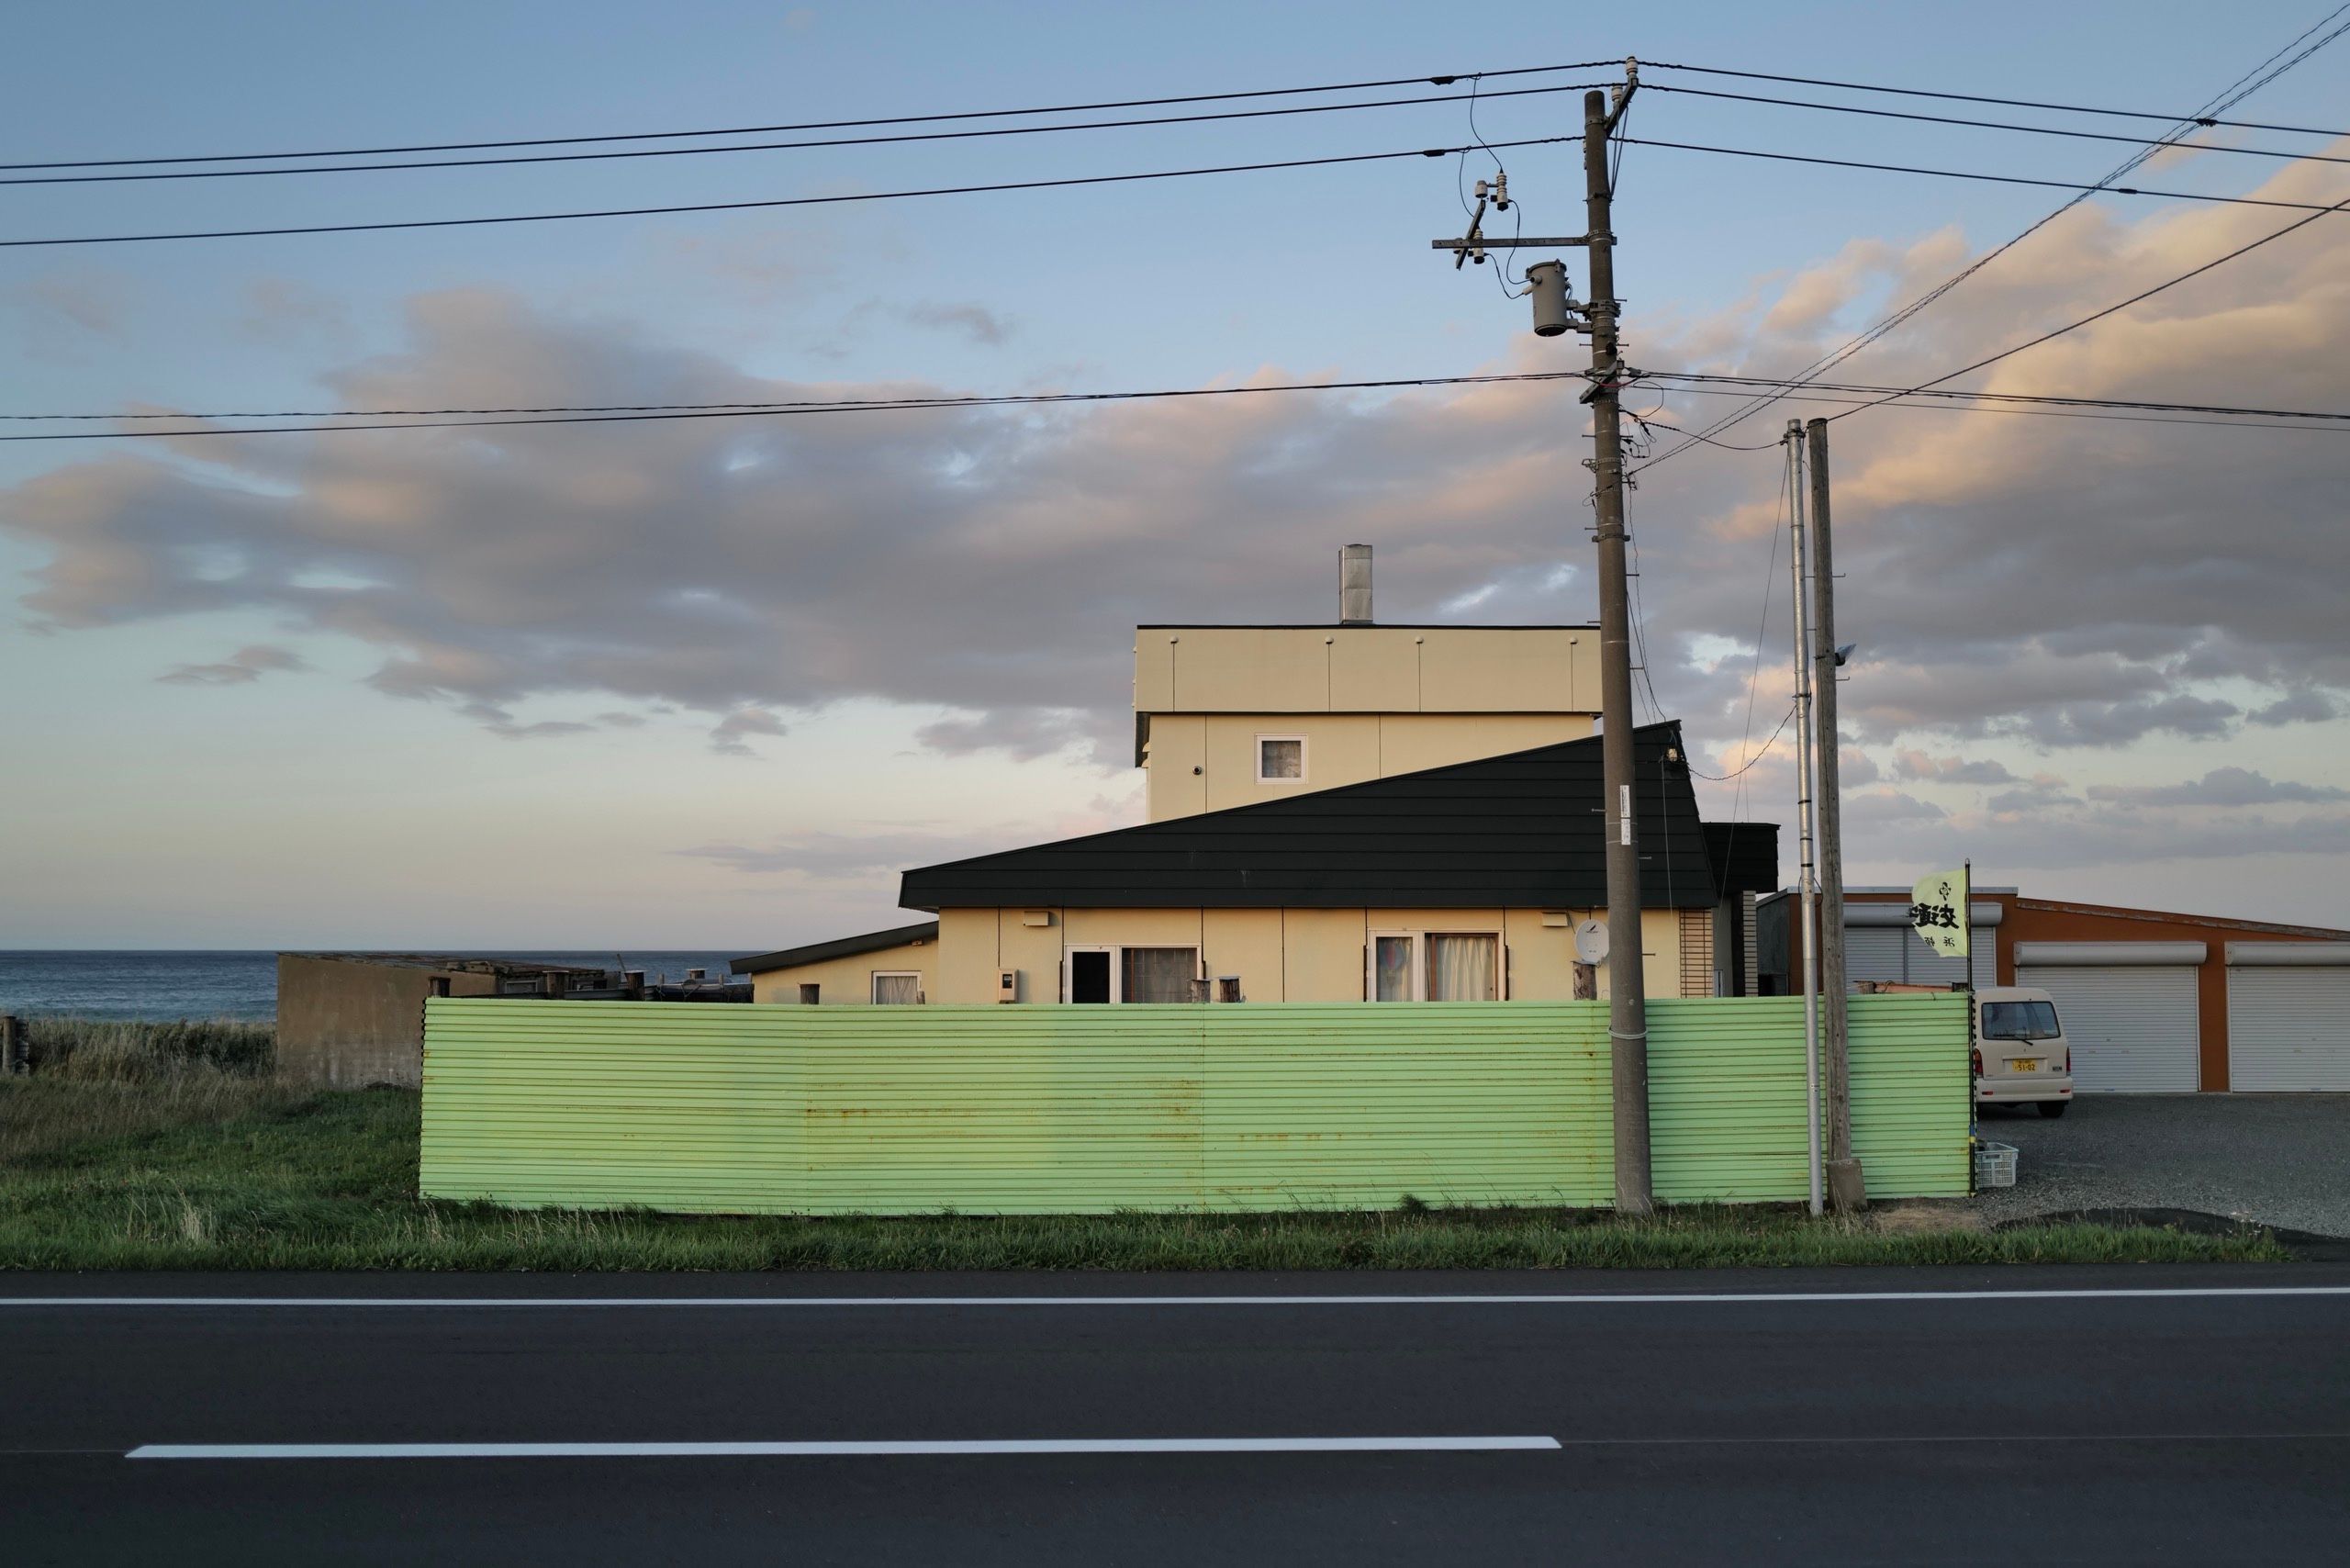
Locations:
{"points": [[349, 1020]]}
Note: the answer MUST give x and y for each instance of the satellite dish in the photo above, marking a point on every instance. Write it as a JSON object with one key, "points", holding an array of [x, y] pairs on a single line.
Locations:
{"points": [[1591, 941]]}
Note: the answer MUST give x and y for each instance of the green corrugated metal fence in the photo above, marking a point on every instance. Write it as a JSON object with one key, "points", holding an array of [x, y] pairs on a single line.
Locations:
{"points": [[1059, 1110]]}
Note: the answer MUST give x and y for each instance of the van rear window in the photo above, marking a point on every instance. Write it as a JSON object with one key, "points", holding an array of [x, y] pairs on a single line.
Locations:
{"points": [[2020, 1021]]}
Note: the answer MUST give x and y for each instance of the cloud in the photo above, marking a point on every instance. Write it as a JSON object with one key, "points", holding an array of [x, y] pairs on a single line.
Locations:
{"points": [[1021, 732], [506, 727], [727, 737], [2303, 707], [1868, 809], [93, 299], [847, 857], [880, 853], [976, 322], [2015, 584], [240, 668], [2220, 787], [1917, 766]]}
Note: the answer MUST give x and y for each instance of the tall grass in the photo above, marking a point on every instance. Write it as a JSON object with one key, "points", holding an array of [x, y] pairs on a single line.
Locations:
{"points": [[104, 1050], [327, 1180], [98, 1082]]}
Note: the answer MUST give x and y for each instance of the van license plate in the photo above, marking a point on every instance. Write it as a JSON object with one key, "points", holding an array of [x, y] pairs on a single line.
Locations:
{"points": [[2023, 1064]]}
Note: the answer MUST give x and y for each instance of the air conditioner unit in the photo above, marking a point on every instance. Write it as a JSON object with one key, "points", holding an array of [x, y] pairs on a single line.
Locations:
{"points": [[1007, 985]]}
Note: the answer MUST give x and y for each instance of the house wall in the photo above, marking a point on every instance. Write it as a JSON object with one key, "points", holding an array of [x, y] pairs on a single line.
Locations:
{"points": [[1370, 702], [1206, 762], [846, 980], [1376, 669], [1290, 955], [347, 1023]]}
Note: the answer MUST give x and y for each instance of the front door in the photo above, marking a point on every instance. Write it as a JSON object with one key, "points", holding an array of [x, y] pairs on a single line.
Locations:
{"points": [[1088, 976]]}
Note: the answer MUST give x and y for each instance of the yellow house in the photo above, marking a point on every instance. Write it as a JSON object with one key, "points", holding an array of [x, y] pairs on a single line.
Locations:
{"points": [[1337, 813], [1233, 715]]}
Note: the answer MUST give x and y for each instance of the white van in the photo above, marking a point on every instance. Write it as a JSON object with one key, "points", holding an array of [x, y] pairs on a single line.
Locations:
{"points": [[2020, 1055]]}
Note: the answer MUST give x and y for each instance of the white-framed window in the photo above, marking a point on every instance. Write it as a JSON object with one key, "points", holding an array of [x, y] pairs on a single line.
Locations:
{"points": [[899, 987], [1109, 972], [1281, 759], [1435, 966]]}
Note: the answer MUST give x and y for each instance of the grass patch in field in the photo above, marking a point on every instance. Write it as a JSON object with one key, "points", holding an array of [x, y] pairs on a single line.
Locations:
{"points": [[99, 1085], [327, 1180]]}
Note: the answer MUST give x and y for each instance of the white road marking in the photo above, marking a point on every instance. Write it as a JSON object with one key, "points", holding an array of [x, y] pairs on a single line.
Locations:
{"points": [[1659, 1298], [801, 1450]]}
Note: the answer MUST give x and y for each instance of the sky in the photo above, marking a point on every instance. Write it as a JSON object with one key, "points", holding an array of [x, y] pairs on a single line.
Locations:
{"points": [[712, 683]]}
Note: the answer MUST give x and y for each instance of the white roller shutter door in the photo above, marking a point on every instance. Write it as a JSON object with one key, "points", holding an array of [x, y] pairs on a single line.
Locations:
{"points": [[1871, 953], [2131, 1026], [1927, 967], [1898, 953], [2289, 1026]]}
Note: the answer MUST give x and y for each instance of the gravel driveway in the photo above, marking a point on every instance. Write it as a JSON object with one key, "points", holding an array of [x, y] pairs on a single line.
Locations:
{"points": [[2278, 1159]]}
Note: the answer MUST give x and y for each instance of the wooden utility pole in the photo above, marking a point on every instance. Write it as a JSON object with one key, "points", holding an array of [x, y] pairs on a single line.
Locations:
{"points": [[1846, 1189], [1628, 1026], [1554, 312]]}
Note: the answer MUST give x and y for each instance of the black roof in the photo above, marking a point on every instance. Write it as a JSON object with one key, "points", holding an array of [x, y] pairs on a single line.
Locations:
{"points": [[839, 947], [1745, 856], [1522, 830]]}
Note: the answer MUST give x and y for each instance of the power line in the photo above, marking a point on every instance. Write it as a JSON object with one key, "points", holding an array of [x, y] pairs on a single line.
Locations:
{"points": [[2244, 86], [2000, 125], [459, 417], [1750, 762], [2110, 310], [2206, 121], [2038, 397], [637, 413], [773, 202], [1436, 81], [779, 146], [1898, 400], [1994, 179]]}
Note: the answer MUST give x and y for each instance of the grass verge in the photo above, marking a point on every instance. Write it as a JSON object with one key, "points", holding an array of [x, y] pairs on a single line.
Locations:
{"points": [[248, 1173]]}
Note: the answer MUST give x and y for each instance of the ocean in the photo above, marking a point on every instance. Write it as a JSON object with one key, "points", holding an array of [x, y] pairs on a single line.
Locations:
{"points": [[142, 985]]}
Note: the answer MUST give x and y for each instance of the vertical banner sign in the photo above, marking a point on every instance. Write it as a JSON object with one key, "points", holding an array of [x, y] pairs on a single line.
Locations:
{"points": [[1938, 912]]}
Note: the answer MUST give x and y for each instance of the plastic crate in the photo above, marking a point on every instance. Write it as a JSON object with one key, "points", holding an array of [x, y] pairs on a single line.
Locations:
{"points": [[1995, 1165]]}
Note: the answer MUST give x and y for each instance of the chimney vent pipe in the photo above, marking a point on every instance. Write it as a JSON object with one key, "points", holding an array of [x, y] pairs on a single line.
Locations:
{"points": [[1354, 584]]}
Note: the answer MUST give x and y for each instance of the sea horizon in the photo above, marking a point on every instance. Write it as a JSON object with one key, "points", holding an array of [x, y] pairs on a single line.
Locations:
{"points": [[162, 984]]}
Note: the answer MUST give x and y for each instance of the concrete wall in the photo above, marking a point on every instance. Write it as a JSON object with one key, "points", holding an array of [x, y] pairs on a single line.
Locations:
{"points": [[846, 981], [1281, 955], [347, 1023]]}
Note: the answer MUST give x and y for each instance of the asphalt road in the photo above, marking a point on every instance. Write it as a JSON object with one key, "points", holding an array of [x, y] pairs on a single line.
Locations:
{"points": [[1749, 1418]]}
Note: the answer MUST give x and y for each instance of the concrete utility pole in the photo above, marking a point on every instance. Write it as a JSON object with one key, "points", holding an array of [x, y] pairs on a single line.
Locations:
{"points": [[1555, 313], [1846, 1188], [1627, 1025], [1807, 880]]}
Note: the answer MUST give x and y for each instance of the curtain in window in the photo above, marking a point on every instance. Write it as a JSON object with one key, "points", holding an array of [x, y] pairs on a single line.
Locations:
{"points": [[902, 991], [1392, 970], [1159, 974], [1463, 969]]}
